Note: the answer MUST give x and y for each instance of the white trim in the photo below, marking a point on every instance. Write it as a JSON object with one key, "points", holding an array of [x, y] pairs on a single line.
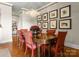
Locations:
{"points": [[24, 9], [5, 3], [5, 41], [49, 4], [68, 44]]}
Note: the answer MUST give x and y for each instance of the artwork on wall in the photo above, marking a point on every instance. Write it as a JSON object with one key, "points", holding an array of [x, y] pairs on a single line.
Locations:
{"points": [[39, 17], [45, 16], [65, 11], [53, 14], [65, 24], [53, 24], [39, 24], [45, 25]]}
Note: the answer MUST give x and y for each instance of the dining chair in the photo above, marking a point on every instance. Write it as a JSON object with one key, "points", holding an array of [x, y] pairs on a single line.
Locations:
{"points": [[51, 32], [58, 48], [44, 48], [20, 38], [29, 42], [23, 31]]}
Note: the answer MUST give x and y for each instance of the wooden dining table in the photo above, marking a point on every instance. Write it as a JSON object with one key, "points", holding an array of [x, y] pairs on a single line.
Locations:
{"points": [[43, 40]]}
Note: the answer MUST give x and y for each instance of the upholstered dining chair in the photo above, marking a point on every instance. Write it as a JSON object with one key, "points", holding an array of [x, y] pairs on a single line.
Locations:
{"points": [[23, 31], [45, 47], [51, 32], [58, 48], [44, 50], [29, 42], [20, 38]]}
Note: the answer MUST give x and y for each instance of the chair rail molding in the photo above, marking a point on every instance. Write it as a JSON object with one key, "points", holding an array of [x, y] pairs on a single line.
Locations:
{"points": [[45, 6]]}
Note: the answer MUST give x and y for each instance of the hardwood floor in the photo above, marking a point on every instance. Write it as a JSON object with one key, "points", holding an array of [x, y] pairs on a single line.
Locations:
{"points": [[15, 51]]}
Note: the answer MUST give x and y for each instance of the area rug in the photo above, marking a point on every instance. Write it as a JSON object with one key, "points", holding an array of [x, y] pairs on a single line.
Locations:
{"points": [[5, 52]]}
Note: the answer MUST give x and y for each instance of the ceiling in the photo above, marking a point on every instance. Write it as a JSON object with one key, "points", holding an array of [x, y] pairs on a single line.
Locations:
{"points": [[28, 5]]}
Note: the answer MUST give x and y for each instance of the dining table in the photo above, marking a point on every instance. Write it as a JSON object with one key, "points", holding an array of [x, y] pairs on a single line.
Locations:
{"points": [[43, 39]]}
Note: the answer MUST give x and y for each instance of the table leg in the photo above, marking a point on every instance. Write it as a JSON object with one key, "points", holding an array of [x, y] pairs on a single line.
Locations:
{"points": [[49, 50], [38, 51]]}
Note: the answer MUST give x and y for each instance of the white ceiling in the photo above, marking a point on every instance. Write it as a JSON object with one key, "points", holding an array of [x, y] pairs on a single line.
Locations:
{"points": [[28, 5]]}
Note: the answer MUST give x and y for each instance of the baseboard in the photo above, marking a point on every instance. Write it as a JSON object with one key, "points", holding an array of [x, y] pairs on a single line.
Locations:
{"points": [[2, 42], [68, 44]]}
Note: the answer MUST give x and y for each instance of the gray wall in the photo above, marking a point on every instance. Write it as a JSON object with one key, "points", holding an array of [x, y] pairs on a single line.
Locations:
{"points": [[72, 38]]}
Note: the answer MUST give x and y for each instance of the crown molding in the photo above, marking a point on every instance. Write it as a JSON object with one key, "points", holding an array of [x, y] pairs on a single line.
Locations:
{"points": [[7, 4], [47, 5], [24, 9]]}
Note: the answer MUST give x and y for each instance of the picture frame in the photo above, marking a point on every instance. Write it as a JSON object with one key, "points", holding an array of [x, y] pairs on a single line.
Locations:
{"points": [[65, 24], [45, 25], [53, 24], [39, 24], [53, 14], [65, 12], [45, 17], [39, 17]]}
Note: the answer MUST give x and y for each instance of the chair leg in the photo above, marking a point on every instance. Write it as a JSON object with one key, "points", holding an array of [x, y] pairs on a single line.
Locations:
{"points": [[32, 53], [25, 51], [22, 45], [55, 55], [62, 53], [19, 44], [59, 54]]}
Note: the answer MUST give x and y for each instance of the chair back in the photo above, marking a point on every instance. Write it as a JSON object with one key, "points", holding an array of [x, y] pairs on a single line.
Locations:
{"points": [[24, 30], [51, 32], [60, 40], [20, 34], [28, 37]]}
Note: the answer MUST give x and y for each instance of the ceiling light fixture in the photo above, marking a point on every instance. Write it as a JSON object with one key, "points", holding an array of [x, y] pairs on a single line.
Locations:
{"points": [[31, 12], [34, 13]]}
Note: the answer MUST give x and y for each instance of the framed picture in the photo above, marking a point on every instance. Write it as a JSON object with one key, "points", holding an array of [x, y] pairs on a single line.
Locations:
{"points": [[45, 16], [65, 11], [65, 24], [39, 24], [53, 14], [39, 17], [53, 24], [45, 25]]}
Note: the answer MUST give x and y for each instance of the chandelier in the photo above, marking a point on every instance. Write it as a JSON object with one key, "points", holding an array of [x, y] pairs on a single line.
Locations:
{"points": [[31, 12]]}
